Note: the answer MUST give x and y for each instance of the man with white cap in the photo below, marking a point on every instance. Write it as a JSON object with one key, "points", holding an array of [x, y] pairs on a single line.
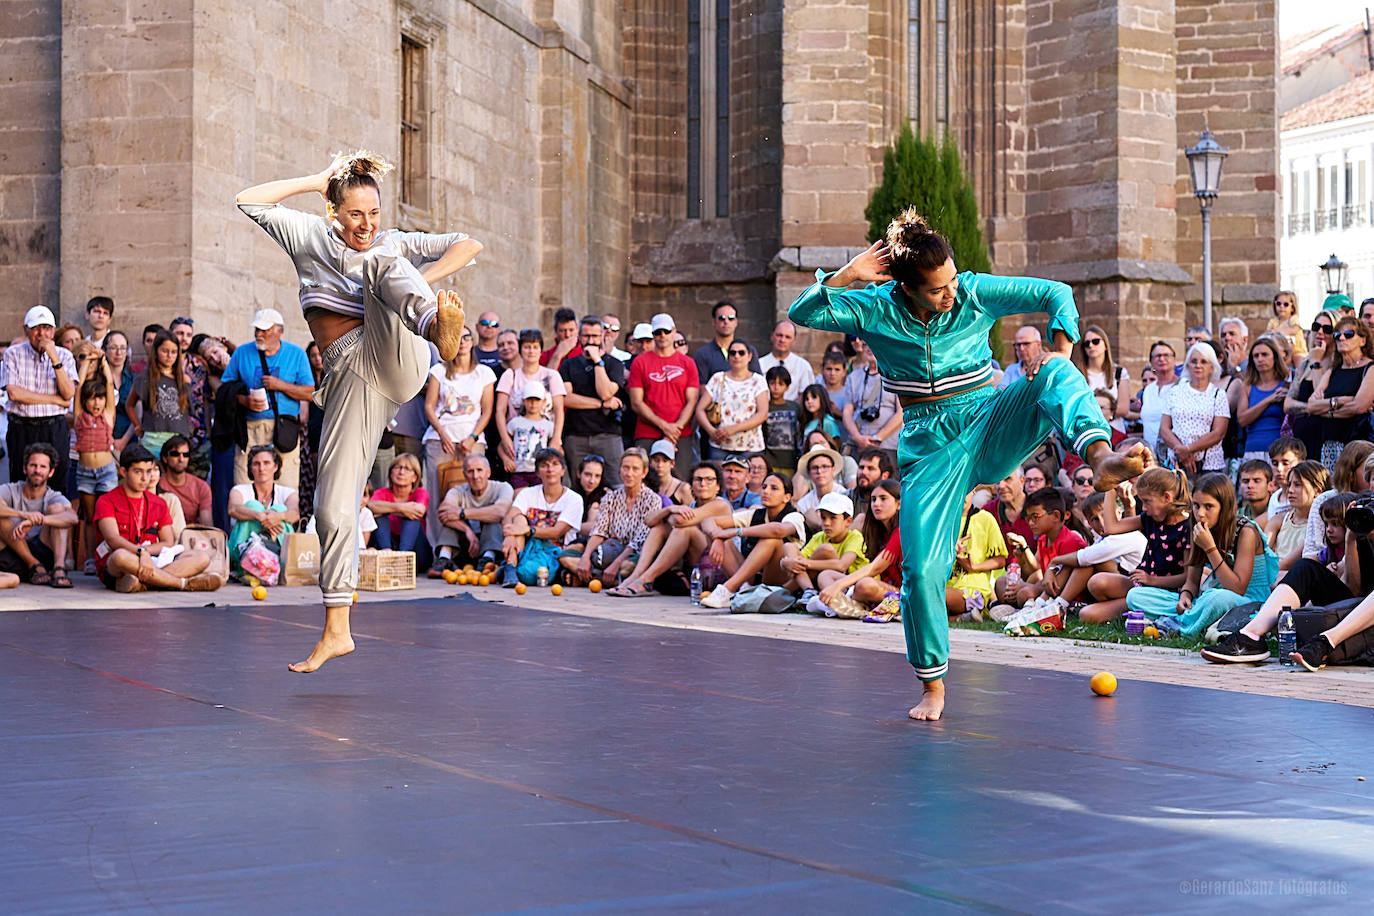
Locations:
{"points": [[278, 378], [663, 390], [40, 380], [642, 341]]}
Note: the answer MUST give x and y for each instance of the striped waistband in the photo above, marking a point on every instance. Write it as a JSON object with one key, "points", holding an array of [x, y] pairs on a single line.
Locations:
{"points": [[945, 385], [341, 346], [331, 300], [948, 402]]}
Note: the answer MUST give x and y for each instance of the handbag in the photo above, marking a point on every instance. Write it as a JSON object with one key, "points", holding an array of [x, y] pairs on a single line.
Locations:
{"points": [[450, 475], [286, 431], [713, 415]]}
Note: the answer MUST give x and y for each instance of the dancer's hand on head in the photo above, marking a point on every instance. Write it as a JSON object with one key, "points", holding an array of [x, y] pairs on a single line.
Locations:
{"points": [[869, 266], [329, 170]]}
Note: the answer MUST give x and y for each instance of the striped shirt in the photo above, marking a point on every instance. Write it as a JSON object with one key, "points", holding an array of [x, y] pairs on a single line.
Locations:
{"points": [[27, 368]]}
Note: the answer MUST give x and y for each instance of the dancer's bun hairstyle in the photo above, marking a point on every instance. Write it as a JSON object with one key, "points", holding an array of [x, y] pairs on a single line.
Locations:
{"points": [[359, 169], [914, 249]]}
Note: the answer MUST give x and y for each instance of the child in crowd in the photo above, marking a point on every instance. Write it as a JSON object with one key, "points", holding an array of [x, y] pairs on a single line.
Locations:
{"points": [[1287, 528], [782, 429], [817, 412], [1285, 453], [1163, 519], [1118, 554], [979, 554], [1332, 553], [1243, 571], [1256, 486], [832, 552], [879, 582], [834, 372], [1044, 511], [97, 472], [530, 433]]}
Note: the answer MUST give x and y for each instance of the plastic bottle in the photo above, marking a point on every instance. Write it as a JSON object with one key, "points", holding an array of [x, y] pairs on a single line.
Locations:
{"points": [[696, 586], [1013, 574], [1288, 637]]}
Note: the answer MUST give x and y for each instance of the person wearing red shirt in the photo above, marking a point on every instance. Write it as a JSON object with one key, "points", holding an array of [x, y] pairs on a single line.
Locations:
{"points": [[565, 343], [1044, 511], [137, 550], [663, 388]]}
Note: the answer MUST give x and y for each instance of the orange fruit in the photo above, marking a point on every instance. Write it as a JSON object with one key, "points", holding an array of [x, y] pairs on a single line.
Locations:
{"points": [[462, 578], [259, 593], [1151, 632], [1103, 683], [556, 589], [520, 588], [450, 576], [355, 597], [468, 568], [489, 568], [594, 586], [484, 579]]}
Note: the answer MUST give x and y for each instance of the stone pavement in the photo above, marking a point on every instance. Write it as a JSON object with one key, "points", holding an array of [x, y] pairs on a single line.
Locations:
{"points": [[1350, 685]]}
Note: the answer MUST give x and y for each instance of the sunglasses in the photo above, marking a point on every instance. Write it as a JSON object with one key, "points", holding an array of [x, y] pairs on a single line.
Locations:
{"points": [[613, 328], [1082, 481], [1092, 341], [1321, 327], [739, 352], [661, 331], [727, 318], [1347, 334], [487, 323], [178, 454], [190, 322], [680, 343]]}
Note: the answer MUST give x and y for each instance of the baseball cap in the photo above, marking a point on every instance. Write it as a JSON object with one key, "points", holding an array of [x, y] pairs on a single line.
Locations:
{"points": [[39, 314], [643, 331], [836, 503], [737, 461], [665, 448], [663, 322], [534, 390], [264, 319]]}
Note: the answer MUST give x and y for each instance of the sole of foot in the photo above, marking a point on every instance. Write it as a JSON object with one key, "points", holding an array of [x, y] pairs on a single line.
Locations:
{"points": [[127, 585], [1119, 468], [329, 647], [448, 324]]}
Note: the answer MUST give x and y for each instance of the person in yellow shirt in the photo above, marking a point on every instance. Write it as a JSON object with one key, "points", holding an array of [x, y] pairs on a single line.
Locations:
{"points": [[979, 556], [831, 553]]}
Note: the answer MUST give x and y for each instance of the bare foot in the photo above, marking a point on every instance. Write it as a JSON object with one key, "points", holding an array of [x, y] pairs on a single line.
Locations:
{"points": [[128, 584], [331, 645], [1112, 468], [448, 324], [932, 703]]}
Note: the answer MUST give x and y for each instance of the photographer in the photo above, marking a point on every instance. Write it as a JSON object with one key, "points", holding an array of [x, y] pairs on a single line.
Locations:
{"points": [[872, 416]]}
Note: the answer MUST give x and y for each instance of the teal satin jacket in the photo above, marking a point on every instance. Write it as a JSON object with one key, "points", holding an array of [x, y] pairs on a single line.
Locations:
{"points": [[948, 355]]}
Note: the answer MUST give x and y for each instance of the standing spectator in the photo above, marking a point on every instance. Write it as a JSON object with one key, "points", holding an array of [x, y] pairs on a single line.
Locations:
{"points": [[40, 380], [97, 472], [1305, 426], [470, 518], [642, 340], [116, 348], [592, 404], [872, 415], [508, 349], [1261, 410], [150, 332], [1196, 413], [782, 429], [818, 413], [510, 394], [529, 434], [184, 330], [488, 348], [67, 337], [459, 399], [1007, 506], [735, 472], [663, 388], [784, 335], [191, 491], [409, 425], [1344, 393], [564, 340], [733, 407], [99, 314], [164, 394], [36, 521], [1026, 346], [200, 400], [610, 324], [1235, 341], [287, 381], [713, 356], [834, 373], [1285, 320], [1155, 394], [1093, 357]]}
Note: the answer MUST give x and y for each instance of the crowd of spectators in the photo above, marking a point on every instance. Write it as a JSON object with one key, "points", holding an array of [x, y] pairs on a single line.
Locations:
{"points": [[655, 467]]}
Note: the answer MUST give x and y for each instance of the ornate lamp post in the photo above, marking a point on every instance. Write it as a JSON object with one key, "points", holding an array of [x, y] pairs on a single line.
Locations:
{"points": [[1333, 281], [1204, 170]]}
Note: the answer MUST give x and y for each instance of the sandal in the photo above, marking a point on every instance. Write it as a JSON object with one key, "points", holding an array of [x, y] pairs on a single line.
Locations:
{"points": [[39, 575], [59, 578], [636, 590]]}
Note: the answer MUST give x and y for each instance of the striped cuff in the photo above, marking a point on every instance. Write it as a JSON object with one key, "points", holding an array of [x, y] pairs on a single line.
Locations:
{"points": [[932, 674], [426, 319], [338, 599], [1088, 436]]}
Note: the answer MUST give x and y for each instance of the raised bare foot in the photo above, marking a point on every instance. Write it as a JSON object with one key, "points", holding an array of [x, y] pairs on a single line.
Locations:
{"points": [[448, 324], [932, 703], [1113, 468], [331, 645]]}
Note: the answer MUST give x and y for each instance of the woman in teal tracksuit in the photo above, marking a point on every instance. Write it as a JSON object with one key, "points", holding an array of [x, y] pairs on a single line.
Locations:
{"points": [[928, 327]]}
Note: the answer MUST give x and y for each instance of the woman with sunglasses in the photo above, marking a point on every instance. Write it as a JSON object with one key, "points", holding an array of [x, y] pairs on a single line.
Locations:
{"points": [[740, 401], [1344, 393], [1093, 357], [1305, 426]]}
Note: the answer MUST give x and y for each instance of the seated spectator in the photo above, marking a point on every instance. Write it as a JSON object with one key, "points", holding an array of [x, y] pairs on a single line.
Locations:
{"points": [[1034, 477], [662, 463], [529, 434], [591, 486], [733, 407], [400, 510], [1260, 411], [1114, 554], [36, 522], [872, 466], [137, 550], [470, 517], [819, 465], [261, 506], [1286, 531], [758, 470], [834, 551], [97, 471], [748, 545], [1045, 512], [817, 412], [735, 469], [1256, 486], [878, 584], [542, 521], [1164, 502], [197, 504], [1244, 571], [979, 554], [676, 534], [1008, 505], [1285, 453], [846, 472], [367, 522], [622, 526]]}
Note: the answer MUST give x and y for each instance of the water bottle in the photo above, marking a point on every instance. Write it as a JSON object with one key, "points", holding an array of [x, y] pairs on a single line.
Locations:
{"points": [[696, 586], [1013, 574], [1288, 637]]}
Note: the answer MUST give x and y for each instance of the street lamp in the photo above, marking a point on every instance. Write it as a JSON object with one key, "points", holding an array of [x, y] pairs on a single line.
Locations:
{"points": [[1333, 281], [1204, 170]]}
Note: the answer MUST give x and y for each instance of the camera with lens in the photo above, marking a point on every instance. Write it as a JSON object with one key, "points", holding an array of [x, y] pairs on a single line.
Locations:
{"points": [[869, 414], [1359, 516]]}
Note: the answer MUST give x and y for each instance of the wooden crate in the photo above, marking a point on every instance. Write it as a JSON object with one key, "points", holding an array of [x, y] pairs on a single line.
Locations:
{"points": [[386, 570]]}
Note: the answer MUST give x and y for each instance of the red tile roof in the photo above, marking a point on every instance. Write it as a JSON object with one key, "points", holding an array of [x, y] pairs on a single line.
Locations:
{"points": [[1348, 101], [1300, 50]]}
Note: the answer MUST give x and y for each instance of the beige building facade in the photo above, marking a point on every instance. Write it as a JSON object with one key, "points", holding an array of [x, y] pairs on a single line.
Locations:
{"points": [[632, 157]]}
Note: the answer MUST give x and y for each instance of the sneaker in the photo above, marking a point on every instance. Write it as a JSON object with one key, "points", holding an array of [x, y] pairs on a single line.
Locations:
{"points": [[848, 607], [441, 564], [972, 615], [508, 576], [1002, 612], [488, 556], [814, 605], [89, 567], [1313, 653], [1236, 649], [719, 598]]}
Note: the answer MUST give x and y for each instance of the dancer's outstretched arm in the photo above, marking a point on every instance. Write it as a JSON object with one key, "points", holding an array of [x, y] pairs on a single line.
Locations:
{"points": [[274, 192], [458, 256]]}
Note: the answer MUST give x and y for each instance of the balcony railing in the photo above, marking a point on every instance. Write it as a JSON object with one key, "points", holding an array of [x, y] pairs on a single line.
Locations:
{"points": [[1354, 215], [1349, 216]]}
